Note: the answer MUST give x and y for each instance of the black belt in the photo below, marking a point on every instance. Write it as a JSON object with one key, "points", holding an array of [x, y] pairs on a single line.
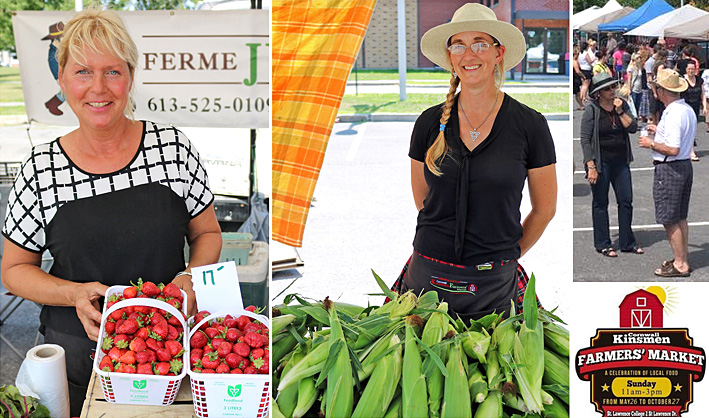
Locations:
{"points": [[658, 162]]}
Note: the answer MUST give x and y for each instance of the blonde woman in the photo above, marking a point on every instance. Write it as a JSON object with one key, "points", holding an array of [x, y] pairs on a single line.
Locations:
{"points": [[470, 157], [112, 200]]}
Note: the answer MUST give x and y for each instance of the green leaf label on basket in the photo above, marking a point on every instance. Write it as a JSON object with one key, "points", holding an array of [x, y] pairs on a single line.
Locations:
{"points": [[140, 384], [234, 391]]}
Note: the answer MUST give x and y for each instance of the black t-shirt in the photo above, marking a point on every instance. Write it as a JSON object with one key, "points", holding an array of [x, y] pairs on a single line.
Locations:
{"points": [[112, 228], [611, 137], [497, 169], [693, 94]]}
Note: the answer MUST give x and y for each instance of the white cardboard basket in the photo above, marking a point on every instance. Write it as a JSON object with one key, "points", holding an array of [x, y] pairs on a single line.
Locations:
{"points": [[140, 389], [230, 395]]}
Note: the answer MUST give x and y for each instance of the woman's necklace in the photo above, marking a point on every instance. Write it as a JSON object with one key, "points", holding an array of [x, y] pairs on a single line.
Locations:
{"points": [[474, 134], [611, 116]]}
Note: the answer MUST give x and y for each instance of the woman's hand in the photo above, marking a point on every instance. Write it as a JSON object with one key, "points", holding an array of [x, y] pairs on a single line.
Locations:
{"points": [[184, 282], [618, 104], [592, 175], [87, 307]]}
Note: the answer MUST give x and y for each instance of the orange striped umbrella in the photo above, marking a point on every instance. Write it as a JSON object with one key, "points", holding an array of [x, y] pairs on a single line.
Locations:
{"points": [[315, 44]]}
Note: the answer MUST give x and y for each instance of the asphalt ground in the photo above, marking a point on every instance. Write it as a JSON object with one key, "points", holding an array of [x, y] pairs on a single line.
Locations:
{"points": [[363, 218], [592, 266]]}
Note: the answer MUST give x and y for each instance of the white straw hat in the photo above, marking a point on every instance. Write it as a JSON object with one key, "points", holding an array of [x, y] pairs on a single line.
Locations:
{"points": [[473, 17], [670, 80]]}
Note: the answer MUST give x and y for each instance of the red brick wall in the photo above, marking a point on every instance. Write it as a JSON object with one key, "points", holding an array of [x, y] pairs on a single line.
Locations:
{"points": [[434, 13]]}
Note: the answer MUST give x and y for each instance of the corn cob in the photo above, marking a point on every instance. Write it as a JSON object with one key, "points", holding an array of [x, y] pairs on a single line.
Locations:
{"points": [[492, 369], [477, 385], [556, 338], [433, 332], [307, 395], [556, 370], [413, 382], [381, 386], [403, 305], [491, 407], [340, 382], [283, 343], [476, 344], [515, 402], [372, 356], [555, 410], [529, 352], [456, 395], [275, 412], [288, 397], [280, 322], [394, 410], [371, 328], [311, 364], [503, 340], [349, 309]]}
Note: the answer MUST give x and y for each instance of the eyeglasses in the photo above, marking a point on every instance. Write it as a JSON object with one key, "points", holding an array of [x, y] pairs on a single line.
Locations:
{"points": [[477, 48], [609, 88]]}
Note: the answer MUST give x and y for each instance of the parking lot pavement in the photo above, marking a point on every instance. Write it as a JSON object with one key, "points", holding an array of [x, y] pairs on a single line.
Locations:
{"points": [[591, 266], [363, 218]]}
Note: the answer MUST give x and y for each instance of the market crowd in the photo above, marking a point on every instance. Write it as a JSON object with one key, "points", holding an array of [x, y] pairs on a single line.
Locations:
{"points": [[660, 90]]}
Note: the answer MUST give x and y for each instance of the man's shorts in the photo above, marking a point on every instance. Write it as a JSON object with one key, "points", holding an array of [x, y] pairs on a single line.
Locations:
{"points": [[671, 189]]}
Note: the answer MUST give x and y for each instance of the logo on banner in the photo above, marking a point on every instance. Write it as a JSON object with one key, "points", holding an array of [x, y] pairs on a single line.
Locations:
{"points": [[641, 369], [56, 31]]}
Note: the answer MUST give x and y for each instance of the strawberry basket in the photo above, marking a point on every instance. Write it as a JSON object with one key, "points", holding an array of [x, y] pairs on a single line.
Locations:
{"points": [[229, 395], [139, 389]]}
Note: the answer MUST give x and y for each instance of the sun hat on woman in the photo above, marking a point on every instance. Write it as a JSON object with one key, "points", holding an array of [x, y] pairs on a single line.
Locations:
{"points": [[473, 17], [601, 81]]}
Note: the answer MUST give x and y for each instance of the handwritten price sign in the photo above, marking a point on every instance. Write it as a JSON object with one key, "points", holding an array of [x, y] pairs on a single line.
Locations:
{"points": [[217, 287]]}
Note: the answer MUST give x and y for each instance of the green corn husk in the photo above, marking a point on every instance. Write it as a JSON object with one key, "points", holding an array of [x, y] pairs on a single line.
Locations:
{"points": [[491, 407], [515, 402], [556, 370], [503, 340], [403, 305], [284, 343], [340, 381], [413, 382], [456, 395], [476, 344], [288, 397], [310, 365], [349, 309], [307, 395], [382, 385], [529, 352], [280, 322], [371, 356], [492, 369], [370, 329], [433, 332], [426, 302], [556, 409], [546, 397], [394, 410], [561, 392], [275, 412], [556, 338], [477, 385]]}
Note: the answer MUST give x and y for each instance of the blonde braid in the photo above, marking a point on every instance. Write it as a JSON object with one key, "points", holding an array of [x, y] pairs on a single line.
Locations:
{"points": [[438, 150]]}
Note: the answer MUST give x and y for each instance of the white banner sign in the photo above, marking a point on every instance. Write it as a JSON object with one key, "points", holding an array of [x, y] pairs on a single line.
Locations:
{"points": [[196, 68]]}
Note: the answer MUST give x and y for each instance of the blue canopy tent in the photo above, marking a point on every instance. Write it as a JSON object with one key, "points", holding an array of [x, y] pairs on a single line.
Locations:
{"points": [[648, 11]]}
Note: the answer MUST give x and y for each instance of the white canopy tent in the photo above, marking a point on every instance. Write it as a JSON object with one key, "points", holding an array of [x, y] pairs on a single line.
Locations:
{"points": [[655, 28], [592, 26], [694, 29], [588, 15]]}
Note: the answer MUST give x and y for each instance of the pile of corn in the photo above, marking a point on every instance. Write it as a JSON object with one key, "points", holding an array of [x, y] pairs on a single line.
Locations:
{"points": [[409, 358]]}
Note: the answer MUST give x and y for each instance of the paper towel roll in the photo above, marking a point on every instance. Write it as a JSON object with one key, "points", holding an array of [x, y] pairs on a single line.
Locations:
{"points": [[43, 376]]}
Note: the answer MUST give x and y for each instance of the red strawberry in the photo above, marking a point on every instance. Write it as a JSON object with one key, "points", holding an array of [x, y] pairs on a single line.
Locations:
{"points": [[224, 349], [163, 354], [265, 369], [244, 363], [145, 368], [172, 332], [230, 322], [142, 309], [128, 357], [211, 332], [157, 318], [174, 321], [250, 370], [143, 333], [130, 292], [137, 316], [160, 330], [175, 302], [138, 344], [199, 317], [171, 291], [222, 368], [242, 349], [216, 342], [198, 340], [237, 371], [106, 344], [253, 326], [210, 361], [251, 308], [142, 357], [208, 371], [153, 356], [242, 321], [115, 353], [221, 328], [256, 353], [106, 364], [117, 314], [149, 289], [253, 339], [109, 327], [130, 326], [121, 340], [196, 355], [162, 368], [208, 349], [129, 368], [175, 348], [176, 366], [233, 360], [152, 344], [232, 334]]}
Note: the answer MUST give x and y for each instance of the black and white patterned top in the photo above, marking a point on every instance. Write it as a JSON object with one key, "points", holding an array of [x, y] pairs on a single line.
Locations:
{"points": [[113, 227]]}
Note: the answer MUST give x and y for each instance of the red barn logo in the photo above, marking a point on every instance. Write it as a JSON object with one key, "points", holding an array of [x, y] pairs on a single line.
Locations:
{"points": [[641, 309]]}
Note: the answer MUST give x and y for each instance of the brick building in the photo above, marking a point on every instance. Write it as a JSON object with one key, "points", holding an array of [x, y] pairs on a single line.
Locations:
{"points": [[544, 23]]}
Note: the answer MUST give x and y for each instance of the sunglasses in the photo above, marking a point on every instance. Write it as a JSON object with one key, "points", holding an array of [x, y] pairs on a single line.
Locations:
{"points": [[477, 48], [609, 88]]}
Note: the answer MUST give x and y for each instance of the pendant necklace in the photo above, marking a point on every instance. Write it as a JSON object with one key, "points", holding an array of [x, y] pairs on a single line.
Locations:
{"points": [[474, 133]]}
